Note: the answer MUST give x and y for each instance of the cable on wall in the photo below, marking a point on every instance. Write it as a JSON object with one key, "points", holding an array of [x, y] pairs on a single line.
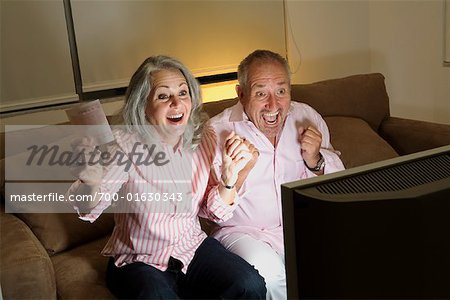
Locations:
{"points": [[289, 35]]}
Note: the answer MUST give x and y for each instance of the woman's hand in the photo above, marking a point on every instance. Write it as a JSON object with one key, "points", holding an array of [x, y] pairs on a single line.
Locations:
{"points": [[86, 161], [255, 154], [235, 156]]}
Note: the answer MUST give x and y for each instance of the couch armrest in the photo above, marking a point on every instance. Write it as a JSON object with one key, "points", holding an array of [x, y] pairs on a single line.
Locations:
{"points": [[26, 269], [409, 136]]}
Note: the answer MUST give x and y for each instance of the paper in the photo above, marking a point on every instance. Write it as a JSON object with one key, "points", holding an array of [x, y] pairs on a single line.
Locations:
{"points": [[91, 113]]}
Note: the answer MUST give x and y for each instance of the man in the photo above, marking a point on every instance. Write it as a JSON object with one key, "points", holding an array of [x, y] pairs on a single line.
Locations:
{"points": [[293, 143]]}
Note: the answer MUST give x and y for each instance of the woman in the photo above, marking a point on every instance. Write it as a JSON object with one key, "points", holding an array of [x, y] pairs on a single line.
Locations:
{"points": [[157, 247]]}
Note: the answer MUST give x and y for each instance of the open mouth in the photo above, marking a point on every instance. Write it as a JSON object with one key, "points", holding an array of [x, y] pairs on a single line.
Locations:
{"points": [[271, 118], [175, 119]]}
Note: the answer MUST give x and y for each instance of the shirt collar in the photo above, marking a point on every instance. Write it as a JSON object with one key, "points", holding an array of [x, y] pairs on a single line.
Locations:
{"points": [[238, 114], [170, 150]]}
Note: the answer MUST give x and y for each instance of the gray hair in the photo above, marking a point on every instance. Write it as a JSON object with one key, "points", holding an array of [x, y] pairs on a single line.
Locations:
{"points": [[260, 56], [136, 99]]}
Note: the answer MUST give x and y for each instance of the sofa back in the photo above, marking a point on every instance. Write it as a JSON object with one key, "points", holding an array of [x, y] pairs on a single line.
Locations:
{"points": [[360, 96]]}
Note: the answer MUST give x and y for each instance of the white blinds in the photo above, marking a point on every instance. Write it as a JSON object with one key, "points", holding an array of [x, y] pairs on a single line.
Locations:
{"points": [[114, 37], [35, 58], [209, 36]]}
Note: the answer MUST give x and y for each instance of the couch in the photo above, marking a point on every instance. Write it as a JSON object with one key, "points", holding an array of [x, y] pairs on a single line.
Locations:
{"points": [[48, 256]]}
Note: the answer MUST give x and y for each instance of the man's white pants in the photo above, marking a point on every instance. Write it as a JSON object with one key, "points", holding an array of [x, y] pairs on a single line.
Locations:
{"points": [[264, 258]]}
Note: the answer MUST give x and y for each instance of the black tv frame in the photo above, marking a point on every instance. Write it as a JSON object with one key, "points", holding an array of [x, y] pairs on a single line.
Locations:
{"points": [[388, 213]]}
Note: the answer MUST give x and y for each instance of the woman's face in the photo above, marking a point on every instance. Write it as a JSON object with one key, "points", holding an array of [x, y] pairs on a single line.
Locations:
{"points": [[169, 104]]}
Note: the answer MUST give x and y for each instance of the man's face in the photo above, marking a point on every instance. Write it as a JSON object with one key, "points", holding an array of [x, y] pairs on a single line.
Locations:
{"points": [[266, 98]]}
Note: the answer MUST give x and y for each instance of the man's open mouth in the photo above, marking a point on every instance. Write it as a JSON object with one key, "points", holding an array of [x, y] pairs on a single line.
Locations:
{"points": [[271, 118]]}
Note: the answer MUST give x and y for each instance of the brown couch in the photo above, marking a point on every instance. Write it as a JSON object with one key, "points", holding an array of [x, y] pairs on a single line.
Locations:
{"points": [[58, 256]]}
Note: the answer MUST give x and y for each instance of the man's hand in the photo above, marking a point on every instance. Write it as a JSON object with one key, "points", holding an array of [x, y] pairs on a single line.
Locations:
{"points": [[310, 140]]}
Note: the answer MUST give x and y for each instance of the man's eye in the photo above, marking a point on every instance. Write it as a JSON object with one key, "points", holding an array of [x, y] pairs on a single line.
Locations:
{"points": [[281, 91], [260, 94]]}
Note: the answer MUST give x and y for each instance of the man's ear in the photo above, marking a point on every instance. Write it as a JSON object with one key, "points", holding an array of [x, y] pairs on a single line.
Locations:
{"points": [[239, 91]]}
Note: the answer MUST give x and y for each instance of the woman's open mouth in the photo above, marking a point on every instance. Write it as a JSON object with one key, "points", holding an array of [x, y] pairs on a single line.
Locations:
{"points": [[175, 119]]}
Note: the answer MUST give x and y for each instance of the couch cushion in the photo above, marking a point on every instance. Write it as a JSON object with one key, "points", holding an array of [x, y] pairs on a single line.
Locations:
{"points": [[357, 142], [81, 272], [26, 269], [58, 232], [362, 96]]}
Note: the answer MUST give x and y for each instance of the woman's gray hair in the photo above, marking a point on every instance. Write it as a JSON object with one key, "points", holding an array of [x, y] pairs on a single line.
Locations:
{"points": [[260, 56], [133, 112]]}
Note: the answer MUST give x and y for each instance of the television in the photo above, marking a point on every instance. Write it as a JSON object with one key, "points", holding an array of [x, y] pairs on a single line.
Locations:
{"points": [[376, 231]]}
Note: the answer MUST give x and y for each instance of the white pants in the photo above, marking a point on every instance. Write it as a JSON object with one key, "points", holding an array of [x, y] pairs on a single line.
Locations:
{"points": [[264, 258]]}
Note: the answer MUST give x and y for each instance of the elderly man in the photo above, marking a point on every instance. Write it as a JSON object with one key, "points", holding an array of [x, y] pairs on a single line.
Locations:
{"points": [[292, 142]]}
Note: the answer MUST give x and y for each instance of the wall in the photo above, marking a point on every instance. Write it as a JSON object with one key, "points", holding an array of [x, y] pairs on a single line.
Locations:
{"points": [[406, 42], [401, 39], [332, 38]]}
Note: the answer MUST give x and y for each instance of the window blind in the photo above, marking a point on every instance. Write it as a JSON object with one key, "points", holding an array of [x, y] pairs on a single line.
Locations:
{"points": [[210, 37], [35, 57]]}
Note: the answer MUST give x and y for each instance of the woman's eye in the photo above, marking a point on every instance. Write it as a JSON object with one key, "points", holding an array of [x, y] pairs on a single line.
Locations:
{"points": [[183, 93], [162, 97]]}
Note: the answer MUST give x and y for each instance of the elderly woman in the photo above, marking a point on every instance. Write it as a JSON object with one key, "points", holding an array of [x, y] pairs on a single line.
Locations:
{"points": [[157, 247]]}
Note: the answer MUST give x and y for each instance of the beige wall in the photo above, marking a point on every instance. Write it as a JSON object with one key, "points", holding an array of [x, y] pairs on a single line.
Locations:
{"points": [[401, 39], [332, 38], [406, 42]]}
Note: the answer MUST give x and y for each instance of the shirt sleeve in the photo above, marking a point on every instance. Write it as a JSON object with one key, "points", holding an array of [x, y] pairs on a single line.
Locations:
{"points": [[213, 207], [114, 176], [332, 161]]}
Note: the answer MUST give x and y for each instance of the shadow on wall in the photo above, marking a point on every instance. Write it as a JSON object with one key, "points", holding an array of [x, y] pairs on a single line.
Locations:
{"points": [[314, 69], [415, 92]]}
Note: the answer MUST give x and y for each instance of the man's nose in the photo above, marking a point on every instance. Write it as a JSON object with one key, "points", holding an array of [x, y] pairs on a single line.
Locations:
{"points": [[271, 102]]}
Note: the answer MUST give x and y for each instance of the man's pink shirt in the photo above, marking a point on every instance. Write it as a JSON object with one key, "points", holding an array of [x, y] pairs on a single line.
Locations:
{"points": [[258, 212]]}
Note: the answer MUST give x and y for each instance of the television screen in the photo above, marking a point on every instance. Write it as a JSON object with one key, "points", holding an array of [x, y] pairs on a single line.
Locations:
{"points": [[377, 231]]}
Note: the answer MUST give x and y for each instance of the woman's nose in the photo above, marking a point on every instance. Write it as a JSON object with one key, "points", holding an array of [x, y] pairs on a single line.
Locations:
{"points": [[175, 101]]}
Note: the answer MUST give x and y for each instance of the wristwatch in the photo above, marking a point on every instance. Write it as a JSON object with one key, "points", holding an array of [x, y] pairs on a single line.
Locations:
{"points": [[319, 166], [228, 187]]}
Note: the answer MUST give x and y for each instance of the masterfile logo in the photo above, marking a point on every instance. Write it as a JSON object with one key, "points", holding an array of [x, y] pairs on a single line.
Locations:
{"points": [[39, 164]]}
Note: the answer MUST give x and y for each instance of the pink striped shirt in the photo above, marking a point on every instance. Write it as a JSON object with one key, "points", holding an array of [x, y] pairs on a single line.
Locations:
{"points": [[153, 231]]}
